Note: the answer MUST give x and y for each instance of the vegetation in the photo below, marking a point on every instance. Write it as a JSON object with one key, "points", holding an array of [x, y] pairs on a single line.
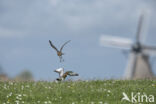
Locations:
{"points": [[77, 92], [24, 76]]}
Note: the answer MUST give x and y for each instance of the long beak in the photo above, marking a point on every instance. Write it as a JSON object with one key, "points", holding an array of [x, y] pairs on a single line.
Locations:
{"points": [[55, 71]]}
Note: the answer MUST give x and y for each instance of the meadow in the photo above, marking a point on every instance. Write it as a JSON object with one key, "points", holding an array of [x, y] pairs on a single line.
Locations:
{"points": [[76, 92]]}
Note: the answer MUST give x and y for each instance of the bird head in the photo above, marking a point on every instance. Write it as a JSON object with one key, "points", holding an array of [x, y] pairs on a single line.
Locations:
{"points": [[59, 79], [59, 70]]}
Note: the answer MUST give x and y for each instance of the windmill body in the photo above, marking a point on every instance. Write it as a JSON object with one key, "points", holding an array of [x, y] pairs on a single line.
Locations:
{"points": [[138, 66], [140, 69]]}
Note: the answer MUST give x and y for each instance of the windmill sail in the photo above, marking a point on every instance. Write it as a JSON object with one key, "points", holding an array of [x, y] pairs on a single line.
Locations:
{"points": [[139, 29], [116, 42], [149, 50], [142, 27], [131, 65]]}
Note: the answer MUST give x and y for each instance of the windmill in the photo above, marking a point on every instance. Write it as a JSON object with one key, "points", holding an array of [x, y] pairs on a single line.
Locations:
{"points": [[138, 63]]}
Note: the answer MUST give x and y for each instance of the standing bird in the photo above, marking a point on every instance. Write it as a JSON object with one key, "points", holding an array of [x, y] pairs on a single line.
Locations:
{"points": [[62, 75], [59, 52]]}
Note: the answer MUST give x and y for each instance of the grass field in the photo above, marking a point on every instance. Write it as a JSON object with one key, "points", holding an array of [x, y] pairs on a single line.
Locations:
{"points": [[78, 92]]}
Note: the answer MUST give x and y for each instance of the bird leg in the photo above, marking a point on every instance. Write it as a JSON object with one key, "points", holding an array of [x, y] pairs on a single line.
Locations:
{"points": [[61, 59]]}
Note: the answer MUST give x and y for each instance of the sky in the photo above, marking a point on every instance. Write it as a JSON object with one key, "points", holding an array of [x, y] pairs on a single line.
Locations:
{"points": [[26, 26]]}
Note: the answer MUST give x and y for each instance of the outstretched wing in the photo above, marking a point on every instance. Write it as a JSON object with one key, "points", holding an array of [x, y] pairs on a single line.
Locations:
{"points": [[53, 46], [64, 45], [70, 73]]}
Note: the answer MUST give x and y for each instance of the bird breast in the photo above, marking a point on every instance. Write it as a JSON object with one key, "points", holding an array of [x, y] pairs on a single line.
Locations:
{"points": [[59, 53], [64, 75]]}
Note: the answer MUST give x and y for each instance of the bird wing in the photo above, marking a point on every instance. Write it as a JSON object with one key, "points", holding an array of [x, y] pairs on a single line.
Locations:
{"points": [[53, 46], [57, 72], [71, 73], [64, 45]]}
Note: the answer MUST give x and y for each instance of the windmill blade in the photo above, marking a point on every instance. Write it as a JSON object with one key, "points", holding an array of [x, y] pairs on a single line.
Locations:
{"points": [[130, 70], [142, 27], [139, 29], [149, 50], [116, 42]]}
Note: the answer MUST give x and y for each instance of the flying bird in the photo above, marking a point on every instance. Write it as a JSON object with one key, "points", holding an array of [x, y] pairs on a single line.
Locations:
{"points": [[59, 52], [63, 75]]}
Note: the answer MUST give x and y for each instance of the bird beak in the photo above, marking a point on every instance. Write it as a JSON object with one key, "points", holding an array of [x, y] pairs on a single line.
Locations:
{"points": [[55, 71]]}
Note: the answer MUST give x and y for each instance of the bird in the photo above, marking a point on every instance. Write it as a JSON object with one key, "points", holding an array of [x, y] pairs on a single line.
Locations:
{"points": [[59, 52], [63, 75]]}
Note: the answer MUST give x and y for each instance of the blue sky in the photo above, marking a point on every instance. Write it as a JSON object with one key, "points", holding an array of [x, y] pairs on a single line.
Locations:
{"points": [[26, 26]]}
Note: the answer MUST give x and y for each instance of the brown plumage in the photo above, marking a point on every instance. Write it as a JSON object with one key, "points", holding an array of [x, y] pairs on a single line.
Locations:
{"points": [[62, 75], [59, 52], [70, 73]]}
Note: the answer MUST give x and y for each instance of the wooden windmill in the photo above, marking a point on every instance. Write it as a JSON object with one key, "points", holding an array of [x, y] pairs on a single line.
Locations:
{"points": [[138, 66]]}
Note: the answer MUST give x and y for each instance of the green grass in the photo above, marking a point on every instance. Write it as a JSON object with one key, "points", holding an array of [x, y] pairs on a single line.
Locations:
{"points": [[78, 92]]}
